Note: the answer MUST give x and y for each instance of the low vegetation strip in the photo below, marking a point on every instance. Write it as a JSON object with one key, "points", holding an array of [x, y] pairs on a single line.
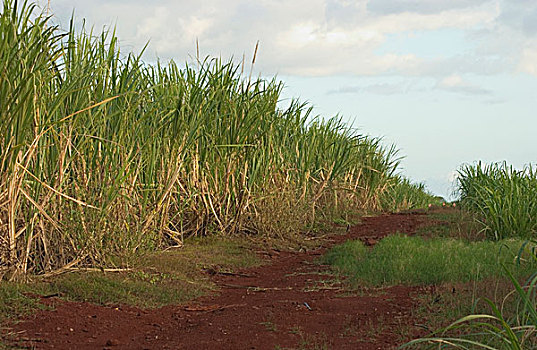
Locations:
{"points": [[418, 261], [162, 278]]}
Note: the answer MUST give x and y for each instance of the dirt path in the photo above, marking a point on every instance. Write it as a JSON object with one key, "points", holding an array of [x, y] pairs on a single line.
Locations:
{"points": [[291, 303]]}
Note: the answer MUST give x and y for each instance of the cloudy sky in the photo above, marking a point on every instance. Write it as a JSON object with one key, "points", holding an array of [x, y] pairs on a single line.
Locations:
{"points": [[448, 81]]}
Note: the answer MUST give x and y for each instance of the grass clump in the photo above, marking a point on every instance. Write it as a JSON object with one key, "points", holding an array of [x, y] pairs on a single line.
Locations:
{"points": [[502, 198], [414, 260]]}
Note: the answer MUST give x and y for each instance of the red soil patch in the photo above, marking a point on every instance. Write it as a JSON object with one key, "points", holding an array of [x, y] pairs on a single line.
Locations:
{"points": [[289, 303]]}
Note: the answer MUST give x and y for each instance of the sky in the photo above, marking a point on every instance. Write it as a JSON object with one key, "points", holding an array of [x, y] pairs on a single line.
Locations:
{"points": [[448, 81]]}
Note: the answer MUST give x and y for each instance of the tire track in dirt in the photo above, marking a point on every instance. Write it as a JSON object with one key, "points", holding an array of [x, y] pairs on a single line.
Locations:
{"points": [[290, 303]]}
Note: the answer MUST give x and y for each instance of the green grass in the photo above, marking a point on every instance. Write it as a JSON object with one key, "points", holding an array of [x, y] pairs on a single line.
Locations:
{"points": [[451, 223], [415, 260], [169, 277], [215, 251], [18, 299], [145, 290], [452, 300], [507, 320], [470, 276], [508, 323]]}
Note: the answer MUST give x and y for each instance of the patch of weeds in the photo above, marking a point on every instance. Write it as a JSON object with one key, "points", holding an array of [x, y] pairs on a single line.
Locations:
{"points": [[124, 288], [324, 284], [269, 326], [3, 339], [346, 218], [166, 277], [451, 301], [151, 278], [452, 223], [308, 341], [16, 300], [369, 331], [337, 221], [295, 330], [341, 221], [415, 261], [360, 291], [493, 321], [403, 330], [351, 329], [314, 342], [229, 252], [162, 278], [374, 328]]}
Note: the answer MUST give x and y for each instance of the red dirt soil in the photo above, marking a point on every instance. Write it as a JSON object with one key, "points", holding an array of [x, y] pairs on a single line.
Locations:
{"points": [[289, 303]]}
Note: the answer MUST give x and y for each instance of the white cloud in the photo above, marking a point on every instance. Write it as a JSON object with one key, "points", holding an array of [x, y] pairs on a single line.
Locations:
{"points": [[455, 83], [377, 89], [322, 37], [452, 83], [521, 15], [420, 6], [528, 61], [170, 32]]}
